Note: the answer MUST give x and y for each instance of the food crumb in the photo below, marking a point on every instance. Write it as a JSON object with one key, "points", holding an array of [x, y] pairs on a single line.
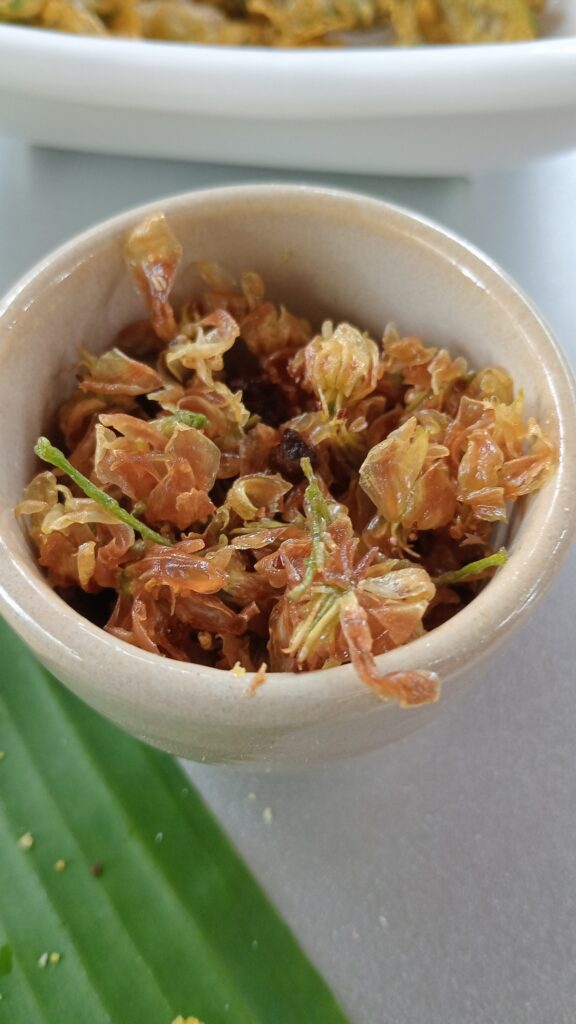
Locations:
{"points": [[158, 837], [383, 921], [186, 1020], [2, 756], [206, 640], [60, 865], [258, 679], [267, 816], [53, 958], [238, 670], [251, 796], [26, 842], [96, 868]]}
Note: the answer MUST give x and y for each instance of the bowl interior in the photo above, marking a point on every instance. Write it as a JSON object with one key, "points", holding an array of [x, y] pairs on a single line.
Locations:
{"points": [[325, 255]]}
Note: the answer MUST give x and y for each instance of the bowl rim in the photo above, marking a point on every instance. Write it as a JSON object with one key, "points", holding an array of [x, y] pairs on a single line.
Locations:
{"points": [[462, 641], [148, 75]]}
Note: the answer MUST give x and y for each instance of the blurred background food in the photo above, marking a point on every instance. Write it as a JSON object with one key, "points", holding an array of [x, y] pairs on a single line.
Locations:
{"points": [[286, 22]]}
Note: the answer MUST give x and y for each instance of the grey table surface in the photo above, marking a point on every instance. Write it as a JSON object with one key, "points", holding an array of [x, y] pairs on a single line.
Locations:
{"points": [[433, 882]]}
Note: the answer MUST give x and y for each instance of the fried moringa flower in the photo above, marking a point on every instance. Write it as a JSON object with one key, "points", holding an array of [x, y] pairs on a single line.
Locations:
{"points": [[245, 493], [339, 606], [341, 366]]}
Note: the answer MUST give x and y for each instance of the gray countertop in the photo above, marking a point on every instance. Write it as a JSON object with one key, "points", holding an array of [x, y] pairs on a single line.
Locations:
{"points": [[433, 882]]}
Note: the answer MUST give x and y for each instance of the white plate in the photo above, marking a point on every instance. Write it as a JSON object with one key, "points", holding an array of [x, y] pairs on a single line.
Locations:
{"points": [[427, 110]]}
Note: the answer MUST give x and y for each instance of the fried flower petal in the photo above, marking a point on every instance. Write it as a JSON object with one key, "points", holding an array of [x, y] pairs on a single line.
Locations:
{"points": [[115, 373], [203, 352], [408, 689], [140, 434], [493, 383], [257, 448], [173, 481], [479, 484], [391, 468], [245, 587], [153, 255], [260, 494], [198, 451], [433, 501], [445, 371], [86, 562], [175, 498], [76, 510], [397, 601], [110, 557], [528, 472], [267, 329], [407, 358], [38, 499], [182, 568], [341, 366], [75, 415], [208, 614], [264, 534]]}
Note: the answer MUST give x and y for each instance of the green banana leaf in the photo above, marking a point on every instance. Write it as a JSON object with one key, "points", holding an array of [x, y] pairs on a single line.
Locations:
{"points": [[153, 914]]}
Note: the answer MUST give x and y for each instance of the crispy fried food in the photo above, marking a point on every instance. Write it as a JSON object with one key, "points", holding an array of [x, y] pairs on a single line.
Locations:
{"points": [[284, 22], [462, 21]]}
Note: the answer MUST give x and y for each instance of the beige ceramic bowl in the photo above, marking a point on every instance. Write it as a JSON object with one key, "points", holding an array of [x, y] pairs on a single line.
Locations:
{"points": [[327, 254]]}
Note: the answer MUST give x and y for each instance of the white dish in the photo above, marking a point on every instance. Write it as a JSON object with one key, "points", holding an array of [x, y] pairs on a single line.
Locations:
{"points": [[428, 110]]}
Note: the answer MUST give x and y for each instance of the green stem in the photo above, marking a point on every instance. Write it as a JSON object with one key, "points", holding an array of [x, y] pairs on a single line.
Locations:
{"points": [[316, 611], [473, 569], [48, 453], [329, 614], [318, 514]]}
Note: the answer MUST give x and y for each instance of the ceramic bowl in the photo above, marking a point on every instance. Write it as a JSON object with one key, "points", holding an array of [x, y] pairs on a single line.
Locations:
{"points": [[374, 109], [326, 254]]}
